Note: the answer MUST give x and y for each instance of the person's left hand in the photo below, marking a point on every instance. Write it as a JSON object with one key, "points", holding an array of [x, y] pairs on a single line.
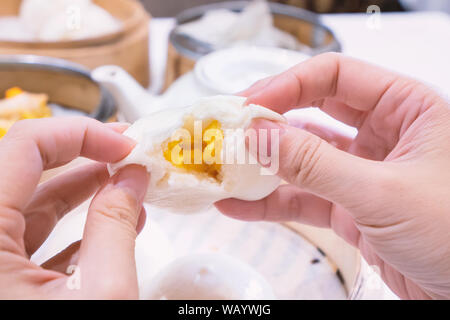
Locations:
{"points": [[29, 210]]}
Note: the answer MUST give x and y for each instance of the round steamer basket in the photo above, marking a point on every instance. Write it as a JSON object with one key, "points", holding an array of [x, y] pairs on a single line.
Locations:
{"points": [[127, 48], [344, 258], [67, 84], [298, 262], [183, 52]]}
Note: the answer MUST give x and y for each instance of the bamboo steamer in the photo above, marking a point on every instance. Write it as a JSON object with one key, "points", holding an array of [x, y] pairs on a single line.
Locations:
{"points": [[345, 259], [66, 84], [302, 24], [127, 48]]}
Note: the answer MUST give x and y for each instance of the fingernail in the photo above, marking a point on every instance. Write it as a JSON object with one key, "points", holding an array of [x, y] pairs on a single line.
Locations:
{"points": [[141, 220], [269, 135], [134, 179], [118, 124], [119, 127], [131, 142], [267, 125], [255, 87]]}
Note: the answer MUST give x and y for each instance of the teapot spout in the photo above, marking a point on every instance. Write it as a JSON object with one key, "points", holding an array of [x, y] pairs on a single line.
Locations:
{"points": [[127, 92]]}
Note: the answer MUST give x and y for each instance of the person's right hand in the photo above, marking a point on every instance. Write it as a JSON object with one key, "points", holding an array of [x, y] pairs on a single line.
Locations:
{"points": [[387, 191]]}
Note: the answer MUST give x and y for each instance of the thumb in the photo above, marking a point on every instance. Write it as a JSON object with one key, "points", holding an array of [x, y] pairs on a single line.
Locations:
{"points": [[107, 262], [312, 164]]}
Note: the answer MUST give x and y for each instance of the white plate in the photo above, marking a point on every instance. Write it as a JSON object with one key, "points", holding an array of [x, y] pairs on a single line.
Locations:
{"points": [[232, 70]]}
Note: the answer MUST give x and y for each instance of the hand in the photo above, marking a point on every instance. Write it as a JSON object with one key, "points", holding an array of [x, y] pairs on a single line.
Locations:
{"points": [[29, 211], [387, 191]]}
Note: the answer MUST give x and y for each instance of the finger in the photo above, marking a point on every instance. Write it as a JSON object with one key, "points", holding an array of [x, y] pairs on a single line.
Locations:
{"points": [[363, 149], [119, 127], [37, 145], [334, 138], [341, 112], [107, 261], [70, 255], [353, 83], [64, 259], [256, 87], [54, 198], [312, 164], [289, 203], [141, 220]]}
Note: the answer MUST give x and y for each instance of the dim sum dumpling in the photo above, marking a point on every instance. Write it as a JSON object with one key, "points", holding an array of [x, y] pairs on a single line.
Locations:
{"points": [[56, 20], [180, 183]]}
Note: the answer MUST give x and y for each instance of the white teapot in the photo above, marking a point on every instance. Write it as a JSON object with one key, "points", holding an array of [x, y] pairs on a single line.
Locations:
{"points": [[133, 101]]}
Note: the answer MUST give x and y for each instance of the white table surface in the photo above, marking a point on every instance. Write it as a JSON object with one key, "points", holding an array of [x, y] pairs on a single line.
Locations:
{"points": [[415, 44]]}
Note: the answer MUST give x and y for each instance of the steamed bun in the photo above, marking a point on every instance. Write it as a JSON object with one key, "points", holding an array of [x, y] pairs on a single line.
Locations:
{"points": [[224, 168], [56, 20]]}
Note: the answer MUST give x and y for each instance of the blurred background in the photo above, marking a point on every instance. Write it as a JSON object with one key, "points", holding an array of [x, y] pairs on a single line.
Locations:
{"points": [[165, 8]]}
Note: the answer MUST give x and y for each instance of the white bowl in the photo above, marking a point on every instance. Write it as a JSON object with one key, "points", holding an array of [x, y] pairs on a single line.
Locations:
{"points": [[232, 70]]}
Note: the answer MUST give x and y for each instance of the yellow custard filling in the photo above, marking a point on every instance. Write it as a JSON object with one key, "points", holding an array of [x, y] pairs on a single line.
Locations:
{"points": [[21, 105], [42, 111], [197, 147], [4, 127]]}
